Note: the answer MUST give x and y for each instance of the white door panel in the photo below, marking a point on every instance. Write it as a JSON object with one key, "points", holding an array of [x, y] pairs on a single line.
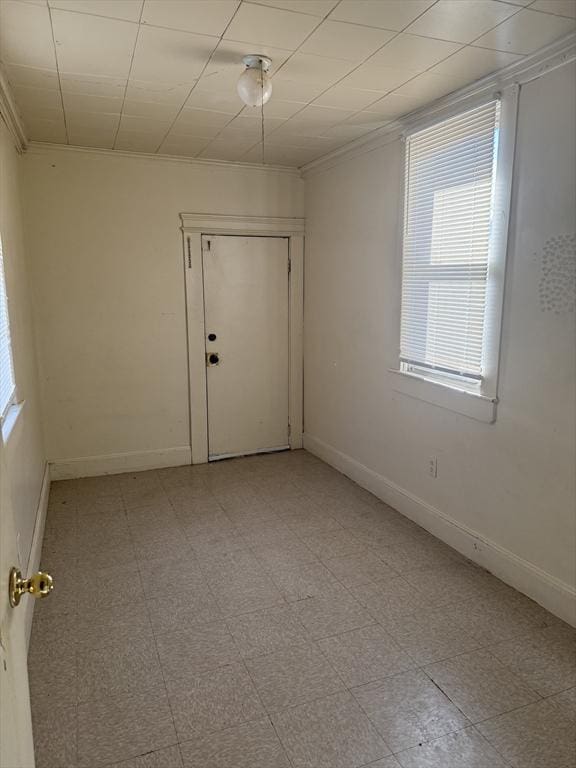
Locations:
{"points": [[246, 307]]}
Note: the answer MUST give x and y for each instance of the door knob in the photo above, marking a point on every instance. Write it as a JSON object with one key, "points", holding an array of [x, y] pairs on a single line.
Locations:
{"points": [[38, 585], [212, 358]]}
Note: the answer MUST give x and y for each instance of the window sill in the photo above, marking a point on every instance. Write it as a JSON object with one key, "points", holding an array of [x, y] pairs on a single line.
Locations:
{"points": [[471, 404], [10, 420]]}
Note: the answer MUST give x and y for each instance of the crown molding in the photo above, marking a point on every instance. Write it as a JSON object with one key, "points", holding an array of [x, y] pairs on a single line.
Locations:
{"points": [[217, 223], [9, 113], [551, 57], [41, 147]]}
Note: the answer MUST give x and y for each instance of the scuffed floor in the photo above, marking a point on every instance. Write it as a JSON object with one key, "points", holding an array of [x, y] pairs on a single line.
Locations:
{"points": [[267, 612]]}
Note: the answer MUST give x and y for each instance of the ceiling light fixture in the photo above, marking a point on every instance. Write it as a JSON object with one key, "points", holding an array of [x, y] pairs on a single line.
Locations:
{"points": [[255, 86]]}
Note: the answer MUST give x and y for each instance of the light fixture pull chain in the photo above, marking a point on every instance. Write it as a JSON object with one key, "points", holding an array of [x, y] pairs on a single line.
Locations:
{"points": [[262, 104]]}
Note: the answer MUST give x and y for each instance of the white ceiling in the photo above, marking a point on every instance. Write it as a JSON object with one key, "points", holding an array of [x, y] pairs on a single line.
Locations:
{"points": [[160, 75]]}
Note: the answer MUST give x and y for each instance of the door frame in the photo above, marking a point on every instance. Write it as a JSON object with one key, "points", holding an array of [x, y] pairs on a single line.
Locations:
{"points": [[194, 225]]}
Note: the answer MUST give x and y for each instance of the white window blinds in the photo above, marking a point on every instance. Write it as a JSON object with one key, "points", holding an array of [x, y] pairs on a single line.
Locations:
{"points": [[6, 369], [450, 171]]}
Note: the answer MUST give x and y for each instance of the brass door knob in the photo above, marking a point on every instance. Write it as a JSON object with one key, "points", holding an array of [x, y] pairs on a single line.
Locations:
{"points": [[38, 585]]}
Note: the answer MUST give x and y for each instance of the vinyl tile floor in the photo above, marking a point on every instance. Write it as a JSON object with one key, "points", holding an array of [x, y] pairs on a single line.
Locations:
{"points": [[266, 612]]}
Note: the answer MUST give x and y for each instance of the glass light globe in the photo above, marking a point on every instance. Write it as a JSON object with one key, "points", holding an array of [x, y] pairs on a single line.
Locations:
{"points": [[254, 87]]}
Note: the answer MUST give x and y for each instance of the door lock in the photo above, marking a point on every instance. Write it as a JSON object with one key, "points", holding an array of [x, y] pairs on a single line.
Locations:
{"points": [[212, 359], [39, 585]]}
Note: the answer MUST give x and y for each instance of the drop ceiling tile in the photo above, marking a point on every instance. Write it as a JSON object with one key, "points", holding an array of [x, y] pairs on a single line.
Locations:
{"points": [[214, 100], [249, 128], [558, 7], [200, 122], [26, 35], [317, 114], [83, 137], [184, 146], [144, 124], [205, 17], [80, 102], [261, 25], [161, 93], [171, 57], [44, 98], [345, 41], [526, 32], [93, 85], [138, 141], [33, 112], [92, 122], [354, 130], [32, 77], [229, 54], [413, 52], [151, 110], [392, 14], [93, 44], [221, 149], [295, 90], [473, 63], [128, 10], [461, 20], [312, 7], [277, 108], [392, 106], [46, 130], [314, 69], [372, 78], [428, 87], [343, 97]]}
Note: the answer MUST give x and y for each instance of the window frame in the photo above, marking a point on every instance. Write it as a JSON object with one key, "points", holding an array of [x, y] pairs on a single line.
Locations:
{"points": [[479, 403]]}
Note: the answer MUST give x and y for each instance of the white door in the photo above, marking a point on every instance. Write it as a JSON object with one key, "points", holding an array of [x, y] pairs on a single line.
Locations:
{"points": [[246, 323], [16, 746]]}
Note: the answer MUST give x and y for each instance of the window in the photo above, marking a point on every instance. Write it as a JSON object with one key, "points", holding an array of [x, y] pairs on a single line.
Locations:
{"points": [[7, 385], [453, 252]]}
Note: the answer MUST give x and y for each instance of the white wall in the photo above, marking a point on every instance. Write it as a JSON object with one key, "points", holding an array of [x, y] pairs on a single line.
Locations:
{"points": [[24, 449], [107, 266], [505, 492]]}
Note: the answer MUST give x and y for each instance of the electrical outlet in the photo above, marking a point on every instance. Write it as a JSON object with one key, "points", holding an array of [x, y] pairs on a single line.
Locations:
{"points": [[433, 466]]}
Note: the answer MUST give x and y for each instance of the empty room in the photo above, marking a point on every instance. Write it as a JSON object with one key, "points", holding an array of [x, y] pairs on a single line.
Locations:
{"points": [[287, 383]]}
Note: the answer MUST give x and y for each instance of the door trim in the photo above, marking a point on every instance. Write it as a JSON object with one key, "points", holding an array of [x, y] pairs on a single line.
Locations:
{"points": [[194, 225]]}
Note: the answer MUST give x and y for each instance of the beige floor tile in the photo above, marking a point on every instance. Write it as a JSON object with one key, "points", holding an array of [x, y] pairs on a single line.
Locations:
{"points": [[389, 599], [453, 582], [545, 659], [327, 544], [116, 729], [364, 655], [213, 700], [565, 702], [292, 677], [115, 624], [118, 670], [302, 581], [237, 594], [464, 749], [194, 606], [408, 709], [162, 758], [480, 685], [533, 737], [329, 733], [332, 615], [171, 576], [195, 649], [54, 728], [359, 568], [267, 631], [252, 745]]}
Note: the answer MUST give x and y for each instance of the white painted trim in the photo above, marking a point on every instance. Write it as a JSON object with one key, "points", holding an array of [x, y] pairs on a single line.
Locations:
{"points": [[10, 115], [116, 463], [36, 548], [44, 147], [194, 225], [223, 224], [555, 55], [552, 593]]}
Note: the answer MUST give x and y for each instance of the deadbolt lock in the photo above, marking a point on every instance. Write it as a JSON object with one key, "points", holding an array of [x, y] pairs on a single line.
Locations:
{"points": [[38, 585]]}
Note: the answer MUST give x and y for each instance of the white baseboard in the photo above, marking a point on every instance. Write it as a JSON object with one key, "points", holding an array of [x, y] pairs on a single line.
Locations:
{"points": [[115, 463], [36, 548], [552, 593]]}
